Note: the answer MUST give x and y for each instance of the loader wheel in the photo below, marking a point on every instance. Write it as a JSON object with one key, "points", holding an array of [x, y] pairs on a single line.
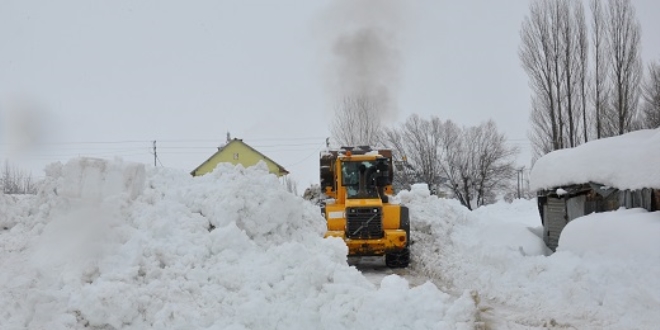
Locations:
{"points": [[399, 259]]}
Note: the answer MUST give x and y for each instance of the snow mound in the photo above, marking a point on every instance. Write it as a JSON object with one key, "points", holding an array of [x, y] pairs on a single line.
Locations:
{"points": [[446, 235], [520, 211], [500, 256], [14, 208], [628, 234], [112, 245], [627, 161]]}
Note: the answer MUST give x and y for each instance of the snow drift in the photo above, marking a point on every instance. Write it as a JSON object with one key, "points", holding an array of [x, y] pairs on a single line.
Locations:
{"points": [[111, 245]]}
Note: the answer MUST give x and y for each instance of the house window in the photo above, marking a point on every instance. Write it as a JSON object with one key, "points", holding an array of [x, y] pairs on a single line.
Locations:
{"points": [[236, 155]]}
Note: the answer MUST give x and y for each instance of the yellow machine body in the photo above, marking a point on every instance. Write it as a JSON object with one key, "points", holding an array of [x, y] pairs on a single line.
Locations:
{"points": [[360, 213]]}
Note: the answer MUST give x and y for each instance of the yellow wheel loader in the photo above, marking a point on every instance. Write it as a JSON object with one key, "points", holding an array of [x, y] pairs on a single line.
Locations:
{"points": [[357, 183]]}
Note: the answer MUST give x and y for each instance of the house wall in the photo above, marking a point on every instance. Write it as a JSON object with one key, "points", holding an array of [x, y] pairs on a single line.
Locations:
{"points": [[236, 153]]}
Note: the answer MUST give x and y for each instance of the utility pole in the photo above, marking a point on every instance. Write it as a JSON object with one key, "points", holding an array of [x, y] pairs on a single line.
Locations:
{"points": [[518, 184], [155, 155], [520, 179]]}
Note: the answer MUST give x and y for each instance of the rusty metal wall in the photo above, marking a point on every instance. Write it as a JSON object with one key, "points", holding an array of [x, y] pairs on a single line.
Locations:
{"points": [[595, 202], [575, 207], [636, 198]]}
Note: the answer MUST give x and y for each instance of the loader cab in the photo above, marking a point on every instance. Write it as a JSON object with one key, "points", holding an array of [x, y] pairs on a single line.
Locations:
{"points": [[352, 174]]}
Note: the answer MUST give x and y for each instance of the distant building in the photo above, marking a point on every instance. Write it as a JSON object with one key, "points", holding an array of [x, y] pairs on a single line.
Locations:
{"points": [[238, 152]]}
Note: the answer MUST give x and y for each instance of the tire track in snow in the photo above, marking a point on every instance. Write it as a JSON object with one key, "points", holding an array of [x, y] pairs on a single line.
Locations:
{"points": [[374, 269]]}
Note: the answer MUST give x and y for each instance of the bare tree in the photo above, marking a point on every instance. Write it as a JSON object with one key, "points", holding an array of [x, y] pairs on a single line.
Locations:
{"points": [[651, 94], [583, 65], [553, 52], [494, 164], [540, 134], [476, 162], [569, 49], [537, 57], [600, 56], [472, 163], [624, 34], [15, 181], [556, 12], [357, 122], [404, 173], [420, 142], [455, 164]]}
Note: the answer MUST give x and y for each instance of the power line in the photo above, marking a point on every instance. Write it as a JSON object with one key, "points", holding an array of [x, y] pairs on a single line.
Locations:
{"points": [[176, 152], [307, 157], [184, 153], [273, 139], [54, 153], [254, 146], [244, 139], [126, 148], [57, 157], [90, 142], [288, 139]]}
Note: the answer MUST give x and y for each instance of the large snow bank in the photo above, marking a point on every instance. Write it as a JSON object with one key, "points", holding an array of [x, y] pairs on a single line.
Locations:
{"points": [[628, 161], [501, 257], [110, 245]]}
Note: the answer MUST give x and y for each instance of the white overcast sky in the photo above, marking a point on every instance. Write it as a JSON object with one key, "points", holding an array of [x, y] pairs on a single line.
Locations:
{"points": [[185, 73]]}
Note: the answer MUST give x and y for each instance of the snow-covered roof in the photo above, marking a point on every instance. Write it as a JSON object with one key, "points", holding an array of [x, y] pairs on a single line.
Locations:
{"points": [[629, 161]]}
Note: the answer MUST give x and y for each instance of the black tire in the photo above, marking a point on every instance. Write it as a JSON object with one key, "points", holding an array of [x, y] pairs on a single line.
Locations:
{"points": [[405, 223], [399, 259]]}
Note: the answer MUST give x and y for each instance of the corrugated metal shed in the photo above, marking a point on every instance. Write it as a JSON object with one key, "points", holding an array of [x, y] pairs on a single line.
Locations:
{"points": [[560, 206]]}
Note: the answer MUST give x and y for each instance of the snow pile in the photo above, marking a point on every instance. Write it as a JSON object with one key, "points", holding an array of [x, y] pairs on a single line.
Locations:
{"points": [[500, 256], [627, 161], [446, 235], [627, 234], [111, 245], [14, 208]]}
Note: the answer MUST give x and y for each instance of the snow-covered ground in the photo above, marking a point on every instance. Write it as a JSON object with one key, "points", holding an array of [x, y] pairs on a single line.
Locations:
{"points": [[112, 245], [497, 252]]}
